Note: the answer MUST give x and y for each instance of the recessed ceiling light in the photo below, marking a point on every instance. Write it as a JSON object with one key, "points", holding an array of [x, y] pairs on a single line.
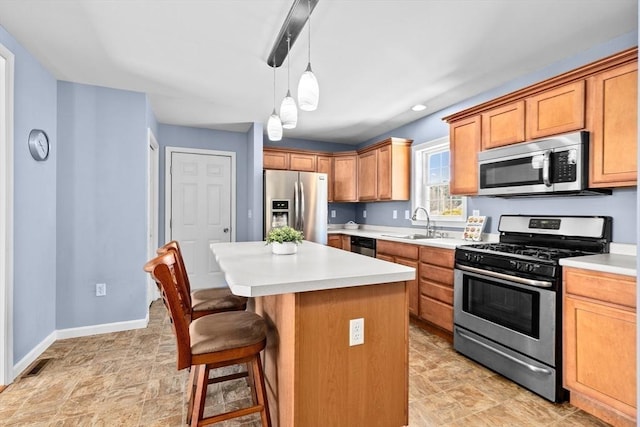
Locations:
{"points": [[418, 107]]}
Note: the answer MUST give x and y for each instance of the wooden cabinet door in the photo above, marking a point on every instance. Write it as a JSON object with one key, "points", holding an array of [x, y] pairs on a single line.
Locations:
{"points": [[275, 160], [346, 242], [324, 164], [345, 178], [368, 175], [464, 145], [556, 111], [599, 354], [334, 240], [302, 162], [412, 286], [614, 127], [503, 125], [384, 170]]}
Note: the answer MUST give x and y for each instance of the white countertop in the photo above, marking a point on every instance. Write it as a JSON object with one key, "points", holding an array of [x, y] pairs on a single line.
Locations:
{"points": [[251, 269], [447, 243], [606, 263]]}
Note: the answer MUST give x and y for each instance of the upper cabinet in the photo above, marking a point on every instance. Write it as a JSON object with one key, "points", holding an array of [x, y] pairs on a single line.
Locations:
{"points": [[345, 177], [324, 164], [302, 162], [503, 125], [600, 98], [556, 111], [614, 130], [384, 170], [275, 159], [464, 146]]}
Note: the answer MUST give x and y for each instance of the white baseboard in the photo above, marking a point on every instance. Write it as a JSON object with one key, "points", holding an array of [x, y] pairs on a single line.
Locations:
{"points": [[32, 356], [83, 331]]}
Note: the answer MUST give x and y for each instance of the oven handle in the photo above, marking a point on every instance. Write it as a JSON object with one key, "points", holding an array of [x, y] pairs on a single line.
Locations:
{"points": [[523, 280], [505, 355]]}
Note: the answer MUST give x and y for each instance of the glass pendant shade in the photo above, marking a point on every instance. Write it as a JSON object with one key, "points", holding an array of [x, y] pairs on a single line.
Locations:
{"points": [[308, 90], [289, 112], [274, 127]]}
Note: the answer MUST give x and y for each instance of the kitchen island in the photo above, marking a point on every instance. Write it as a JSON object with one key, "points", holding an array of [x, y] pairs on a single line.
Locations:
{"points": [[313, 376]]}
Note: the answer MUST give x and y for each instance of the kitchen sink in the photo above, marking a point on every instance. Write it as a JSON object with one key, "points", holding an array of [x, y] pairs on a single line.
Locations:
{"points": [[410, 236]]}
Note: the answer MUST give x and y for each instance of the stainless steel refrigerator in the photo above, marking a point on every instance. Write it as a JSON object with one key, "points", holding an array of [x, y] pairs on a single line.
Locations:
{"points": [[296, 199]]}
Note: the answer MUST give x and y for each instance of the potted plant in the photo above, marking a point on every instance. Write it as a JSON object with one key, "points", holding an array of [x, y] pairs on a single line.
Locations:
{"points": [[284, 240]]}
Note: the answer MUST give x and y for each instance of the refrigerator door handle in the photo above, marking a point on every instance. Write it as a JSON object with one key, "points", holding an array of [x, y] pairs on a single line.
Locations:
{"points": [[301, 218], [296, 205]]}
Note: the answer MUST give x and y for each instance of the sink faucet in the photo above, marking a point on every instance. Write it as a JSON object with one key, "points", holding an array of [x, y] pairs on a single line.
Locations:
{"points": [[414, 218]]}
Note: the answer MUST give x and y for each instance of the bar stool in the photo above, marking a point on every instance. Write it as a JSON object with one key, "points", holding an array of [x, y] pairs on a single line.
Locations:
{"points": [[210, 342], [204, 301]]}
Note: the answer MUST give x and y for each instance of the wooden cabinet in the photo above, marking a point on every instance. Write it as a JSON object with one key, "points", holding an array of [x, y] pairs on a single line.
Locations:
{"points": [[464, 146], [368, 176], [334, 240], [346, 242], [503, 125], [345, 178], [275, 160], [613, 125], [599, 332], [324, 164], [436, 286], [405, 254], [302, 162], [384, 170], [556, 111]]}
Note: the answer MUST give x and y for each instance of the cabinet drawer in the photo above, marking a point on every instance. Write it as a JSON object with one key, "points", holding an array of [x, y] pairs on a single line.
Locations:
{"points": [[436, 312], [403, 250], [437, 291], [434, 273], [437, 256], [611, 288]]}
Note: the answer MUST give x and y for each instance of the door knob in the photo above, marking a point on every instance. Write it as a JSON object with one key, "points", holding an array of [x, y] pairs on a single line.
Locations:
{"points": [[226, 229]]}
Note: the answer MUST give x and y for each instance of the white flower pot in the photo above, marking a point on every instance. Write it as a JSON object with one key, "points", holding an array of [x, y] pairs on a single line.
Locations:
{"points": [[286, 248]]}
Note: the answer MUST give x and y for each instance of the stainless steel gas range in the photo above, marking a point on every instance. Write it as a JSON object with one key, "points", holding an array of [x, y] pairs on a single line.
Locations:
{"points": [[508, 299]]}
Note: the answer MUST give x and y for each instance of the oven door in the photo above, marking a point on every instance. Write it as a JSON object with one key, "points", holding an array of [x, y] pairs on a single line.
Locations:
{"points": [[518, 316]]}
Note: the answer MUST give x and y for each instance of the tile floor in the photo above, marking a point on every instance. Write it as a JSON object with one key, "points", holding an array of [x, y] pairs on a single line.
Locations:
{"points": [[129, 379]]}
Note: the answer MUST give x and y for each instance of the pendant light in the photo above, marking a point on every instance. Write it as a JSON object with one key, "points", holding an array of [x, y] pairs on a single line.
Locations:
{"points": [[308, 89], [288, 109], [274, 125]]}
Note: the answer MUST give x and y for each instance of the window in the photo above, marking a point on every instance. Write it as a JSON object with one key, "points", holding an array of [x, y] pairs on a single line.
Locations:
{"points": [[431, 175]]}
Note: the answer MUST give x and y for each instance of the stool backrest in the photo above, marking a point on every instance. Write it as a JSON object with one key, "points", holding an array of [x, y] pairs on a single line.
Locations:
{"points": [[180, 267], [163, 270]]}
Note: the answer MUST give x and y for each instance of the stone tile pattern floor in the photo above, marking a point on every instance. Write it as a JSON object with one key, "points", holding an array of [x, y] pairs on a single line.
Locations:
{"points": [[130, 379]]}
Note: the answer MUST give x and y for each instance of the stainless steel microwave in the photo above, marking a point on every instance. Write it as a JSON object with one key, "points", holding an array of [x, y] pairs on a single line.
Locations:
{"points": [[557, 164]]}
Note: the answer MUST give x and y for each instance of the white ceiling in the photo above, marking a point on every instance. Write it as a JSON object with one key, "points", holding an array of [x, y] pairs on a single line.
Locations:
{"points": [[203, 62]]}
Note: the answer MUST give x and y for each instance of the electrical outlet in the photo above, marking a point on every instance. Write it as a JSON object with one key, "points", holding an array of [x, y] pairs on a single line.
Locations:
{"points": [[333, 213], [364, 213], [395, 214], [356, 331], [101, 289], [406, 215]]}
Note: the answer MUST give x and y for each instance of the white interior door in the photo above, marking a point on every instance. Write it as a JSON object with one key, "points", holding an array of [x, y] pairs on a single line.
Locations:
{"points": [[201, 211], [152, 211]]}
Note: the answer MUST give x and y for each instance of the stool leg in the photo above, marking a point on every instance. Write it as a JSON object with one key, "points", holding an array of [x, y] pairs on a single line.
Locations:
{"points": [[191, 390], [261, 391], [200, 395]]}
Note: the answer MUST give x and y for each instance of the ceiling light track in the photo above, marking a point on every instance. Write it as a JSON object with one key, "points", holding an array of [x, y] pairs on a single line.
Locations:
{"points": [[291, 28]]}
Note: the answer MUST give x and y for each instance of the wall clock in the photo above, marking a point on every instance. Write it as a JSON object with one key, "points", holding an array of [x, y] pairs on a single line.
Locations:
{"points": [[39, 144]]}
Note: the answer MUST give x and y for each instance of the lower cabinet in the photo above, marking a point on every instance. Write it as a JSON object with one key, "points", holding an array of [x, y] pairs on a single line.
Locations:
{"points": [[334, 240], [436, 287], [405, 254], [599, 332]]}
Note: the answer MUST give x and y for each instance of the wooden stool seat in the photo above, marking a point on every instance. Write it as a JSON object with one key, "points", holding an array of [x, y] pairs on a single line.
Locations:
{"points": [[216, 300], [236, 330]]}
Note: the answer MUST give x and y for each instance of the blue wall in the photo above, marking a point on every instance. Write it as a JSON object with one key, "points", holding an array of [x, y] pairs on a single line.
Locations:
{"points": [[34, 211], [188, 137], [102, 214]]}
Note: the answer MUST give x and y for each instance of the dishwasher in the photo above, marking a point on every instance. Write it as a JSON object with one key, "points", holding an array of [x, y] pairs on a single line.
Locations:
{"points": [[363, 245]]}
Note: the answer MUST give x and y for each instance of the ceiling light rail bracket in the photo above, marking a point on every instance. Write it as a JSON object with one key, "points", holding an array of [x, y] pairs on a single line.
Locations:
{"points": [[292, 26]]}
